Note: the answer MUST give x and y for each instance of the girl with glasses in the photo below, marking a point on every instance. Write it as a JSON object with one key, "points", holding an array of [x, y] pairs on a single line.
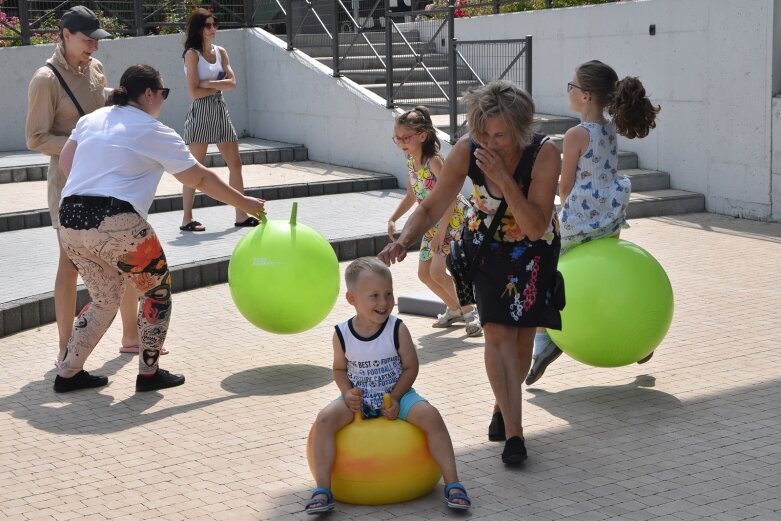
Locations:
{"points": [[594, 196], [209, 72], [415, 135], [113, 162]]}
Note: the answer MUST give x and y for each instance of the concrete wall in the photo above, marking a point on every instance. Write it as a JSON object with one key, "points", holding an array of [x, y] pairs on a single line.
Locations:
{"points": [[777, 48], [709, 66], [162, 52], [776, 147]]}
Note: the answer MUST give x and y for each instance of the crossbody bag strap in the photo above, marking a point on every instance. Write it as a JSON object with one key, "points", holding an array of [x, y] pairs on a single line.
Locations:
{"points": [[526, 162], [67, 89]]}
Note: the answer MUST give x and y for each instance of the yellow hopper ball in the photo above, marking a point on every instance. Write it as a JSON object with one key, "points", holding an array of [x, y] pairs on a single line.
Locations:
{"points": [[380, 461]]}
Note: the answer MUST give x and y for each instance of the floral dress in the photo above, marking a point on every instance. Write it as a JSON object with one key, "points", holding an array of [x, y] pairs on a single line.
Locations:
{"points": [[516, 282], [422, 182], [596, 207]]}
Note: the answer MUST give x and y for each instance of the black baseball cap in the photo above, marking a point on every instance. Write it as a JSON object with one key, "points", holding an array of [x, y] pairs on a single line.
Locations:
{"points": [[79, 19]]}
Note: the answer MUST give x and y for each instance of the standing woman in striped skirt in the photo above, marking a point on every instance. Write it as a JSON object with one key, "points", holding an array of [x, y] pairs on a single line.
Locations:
{"points": [[209, 73]]}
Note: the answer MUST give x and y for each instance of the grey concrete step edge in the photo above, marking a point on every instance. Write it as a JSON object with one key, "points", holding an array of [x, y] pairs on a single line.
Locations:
{"points": [[37, 172], [171, 203], [37, 310], [668, 202]]}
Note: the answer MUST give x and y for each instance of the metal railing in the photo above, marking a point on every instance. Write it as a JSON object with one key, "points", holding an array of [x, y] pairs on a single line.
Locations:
{"points": [[410, 57]]}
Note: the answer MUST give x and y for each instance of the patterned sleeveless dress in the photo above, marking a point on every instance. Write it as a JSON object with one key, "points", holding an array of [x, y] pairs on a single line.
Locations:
{"points": [[596, 207], [517, 283], [422, 182]]}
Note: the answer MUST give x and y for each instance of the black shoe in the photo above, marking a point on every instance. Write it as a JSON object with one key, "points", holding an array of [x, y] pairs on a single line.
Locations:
{"points": [[81, 380], [496, 428], [162, 379], [647, 358], [514, 451], [540, 363]]}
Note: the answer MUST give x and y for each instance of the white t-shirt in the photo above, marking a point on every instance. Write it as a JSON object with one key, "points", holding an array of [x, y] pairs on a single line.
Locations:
{"points": [[122, 152]]}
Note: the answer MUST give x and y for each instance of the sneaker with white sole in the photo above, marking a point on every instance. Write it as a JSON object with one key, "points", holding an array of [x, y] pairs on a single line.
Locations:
{"points": [[448, 318]]}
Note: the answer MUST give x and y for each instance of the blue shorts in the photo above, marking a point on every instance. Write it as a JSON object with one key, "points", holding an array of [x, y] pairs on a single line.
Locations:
{"points": [[409, 399]]}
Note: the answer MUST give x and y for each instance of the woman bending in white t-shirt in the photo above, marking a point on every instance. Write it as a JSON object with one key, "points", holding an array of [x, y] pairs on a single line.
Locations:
{"points": [[114, 160], [209, 73]]}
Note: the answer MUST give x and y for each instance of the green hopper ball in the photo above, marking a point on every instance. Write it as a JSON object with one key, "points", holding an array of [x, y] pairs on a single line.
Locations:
{"points": [[619, 303], [284, 276]]}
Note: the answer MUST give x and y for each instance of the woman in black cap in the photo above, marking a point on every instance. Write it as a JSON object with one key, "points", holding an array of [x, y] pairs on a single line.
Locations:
{"points": [[51, 116]]}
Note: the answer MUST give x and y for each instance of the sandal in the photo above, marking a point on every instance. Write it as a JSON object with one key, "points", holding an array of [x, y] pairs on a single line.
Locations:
{"points": [[448, 318], [318, 505], [134, 350], [193, 226], [457, 495], [249, 222], [473, 327]]}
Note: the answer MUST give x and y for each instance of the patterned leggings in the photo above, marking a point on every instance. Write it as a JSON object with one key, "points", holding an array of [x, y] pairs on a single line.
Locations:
{"points": [[111, 244]]}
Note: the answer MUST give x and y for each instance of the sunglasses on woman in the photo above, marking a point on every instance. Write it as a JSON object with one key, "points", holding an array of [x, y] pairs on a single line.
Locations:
{"points": [[211, 25], [165, 91]]}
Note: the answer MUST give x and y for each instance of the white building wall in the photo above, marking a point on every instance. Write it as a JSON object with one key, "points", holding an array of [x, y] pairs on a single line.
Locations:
{"points": [[708, 66], [711, 66]]}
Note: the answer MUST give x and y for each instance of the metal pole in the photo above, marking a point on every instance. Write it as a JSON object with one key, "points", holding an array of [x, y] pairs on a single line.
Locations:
{"points": [[335, 41], [138, 16], [528, 57], [24, 23], [388, 56], [451, 74], [289, 25], [249, 13]]}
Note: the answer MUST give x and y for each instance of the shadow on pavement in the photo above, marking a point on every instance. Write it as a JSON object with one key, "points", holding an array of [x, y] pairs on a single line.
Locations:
{"points": [[90, 411], [278, 380]]}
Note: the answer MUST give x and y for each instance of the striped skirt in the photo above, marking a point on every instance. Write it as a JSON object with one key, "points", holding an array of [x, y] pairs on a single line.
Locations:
{"points": [[208, 121]]}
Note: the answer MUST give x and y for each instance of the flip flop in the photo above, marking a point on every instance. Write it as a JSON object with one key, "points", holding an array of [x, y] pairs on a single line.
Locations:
{"points": [[457, 495], [248, 222], [134, 350], [320, 505], [193, 226]]}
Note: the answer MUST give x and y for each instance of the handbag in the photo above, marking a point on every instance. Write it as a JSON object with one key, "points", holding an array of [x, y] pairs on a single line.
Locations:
{"points": [[461, 267]]}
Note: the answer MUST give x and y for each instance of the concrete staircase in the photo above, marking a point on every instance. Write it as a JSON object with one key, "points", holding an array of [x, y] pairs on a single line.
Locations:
{"points": [[652, 194]]}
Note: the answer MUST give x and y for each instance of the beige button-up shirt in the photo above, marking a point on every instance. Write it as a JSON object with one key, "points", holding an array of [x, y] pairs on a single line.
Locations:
{"points": [[51, 114]]}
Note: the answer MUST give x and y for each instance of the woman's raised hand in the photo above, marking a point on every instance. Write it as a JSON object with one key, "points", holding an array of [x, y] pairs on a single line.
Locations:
{"points": [[491, 165]]}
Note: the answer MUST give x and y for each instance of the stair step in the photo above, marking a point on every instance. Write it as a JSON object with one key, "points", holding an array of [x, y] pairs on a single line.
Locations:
{"points": [[25, 166], [354, 223], [654, 203], [421, 89], [401, 61], [27, 201], [304, 41], [358, 47], [368, 76]]}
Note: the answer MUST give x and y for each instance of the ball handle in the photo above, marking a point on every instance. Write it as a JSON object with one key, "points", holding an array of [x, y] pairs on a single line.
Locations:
{"points": [[386, 403]]}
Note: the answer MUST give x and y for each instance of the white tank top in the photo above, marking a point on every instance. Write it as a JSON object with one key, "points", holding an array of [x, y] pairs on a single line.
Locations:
{"points": [[373, 364], [208, 71]]}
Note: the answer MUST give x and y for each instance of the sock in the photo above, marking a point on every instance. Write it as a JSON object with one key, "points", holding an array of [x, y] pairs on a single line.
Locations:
{"points": [[541, 340]]}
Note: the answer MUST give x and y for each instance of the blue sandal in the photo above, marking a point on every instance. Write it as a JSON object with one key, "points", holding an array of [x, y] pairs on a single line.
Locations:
{"points": [[317, 505], [457, 495]]}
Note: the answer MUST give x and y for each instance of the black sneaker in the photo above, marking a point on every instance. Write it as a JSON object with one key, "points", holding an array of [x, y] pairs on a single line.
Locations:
{"points": [[162, 379], [496, 427], [514, 451], [81, 380]]}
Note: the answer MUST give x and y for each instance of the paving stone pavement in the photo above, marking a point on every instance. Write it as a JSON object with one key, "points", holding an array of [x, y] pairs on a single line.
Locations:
{"points": [[693, 434]]}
